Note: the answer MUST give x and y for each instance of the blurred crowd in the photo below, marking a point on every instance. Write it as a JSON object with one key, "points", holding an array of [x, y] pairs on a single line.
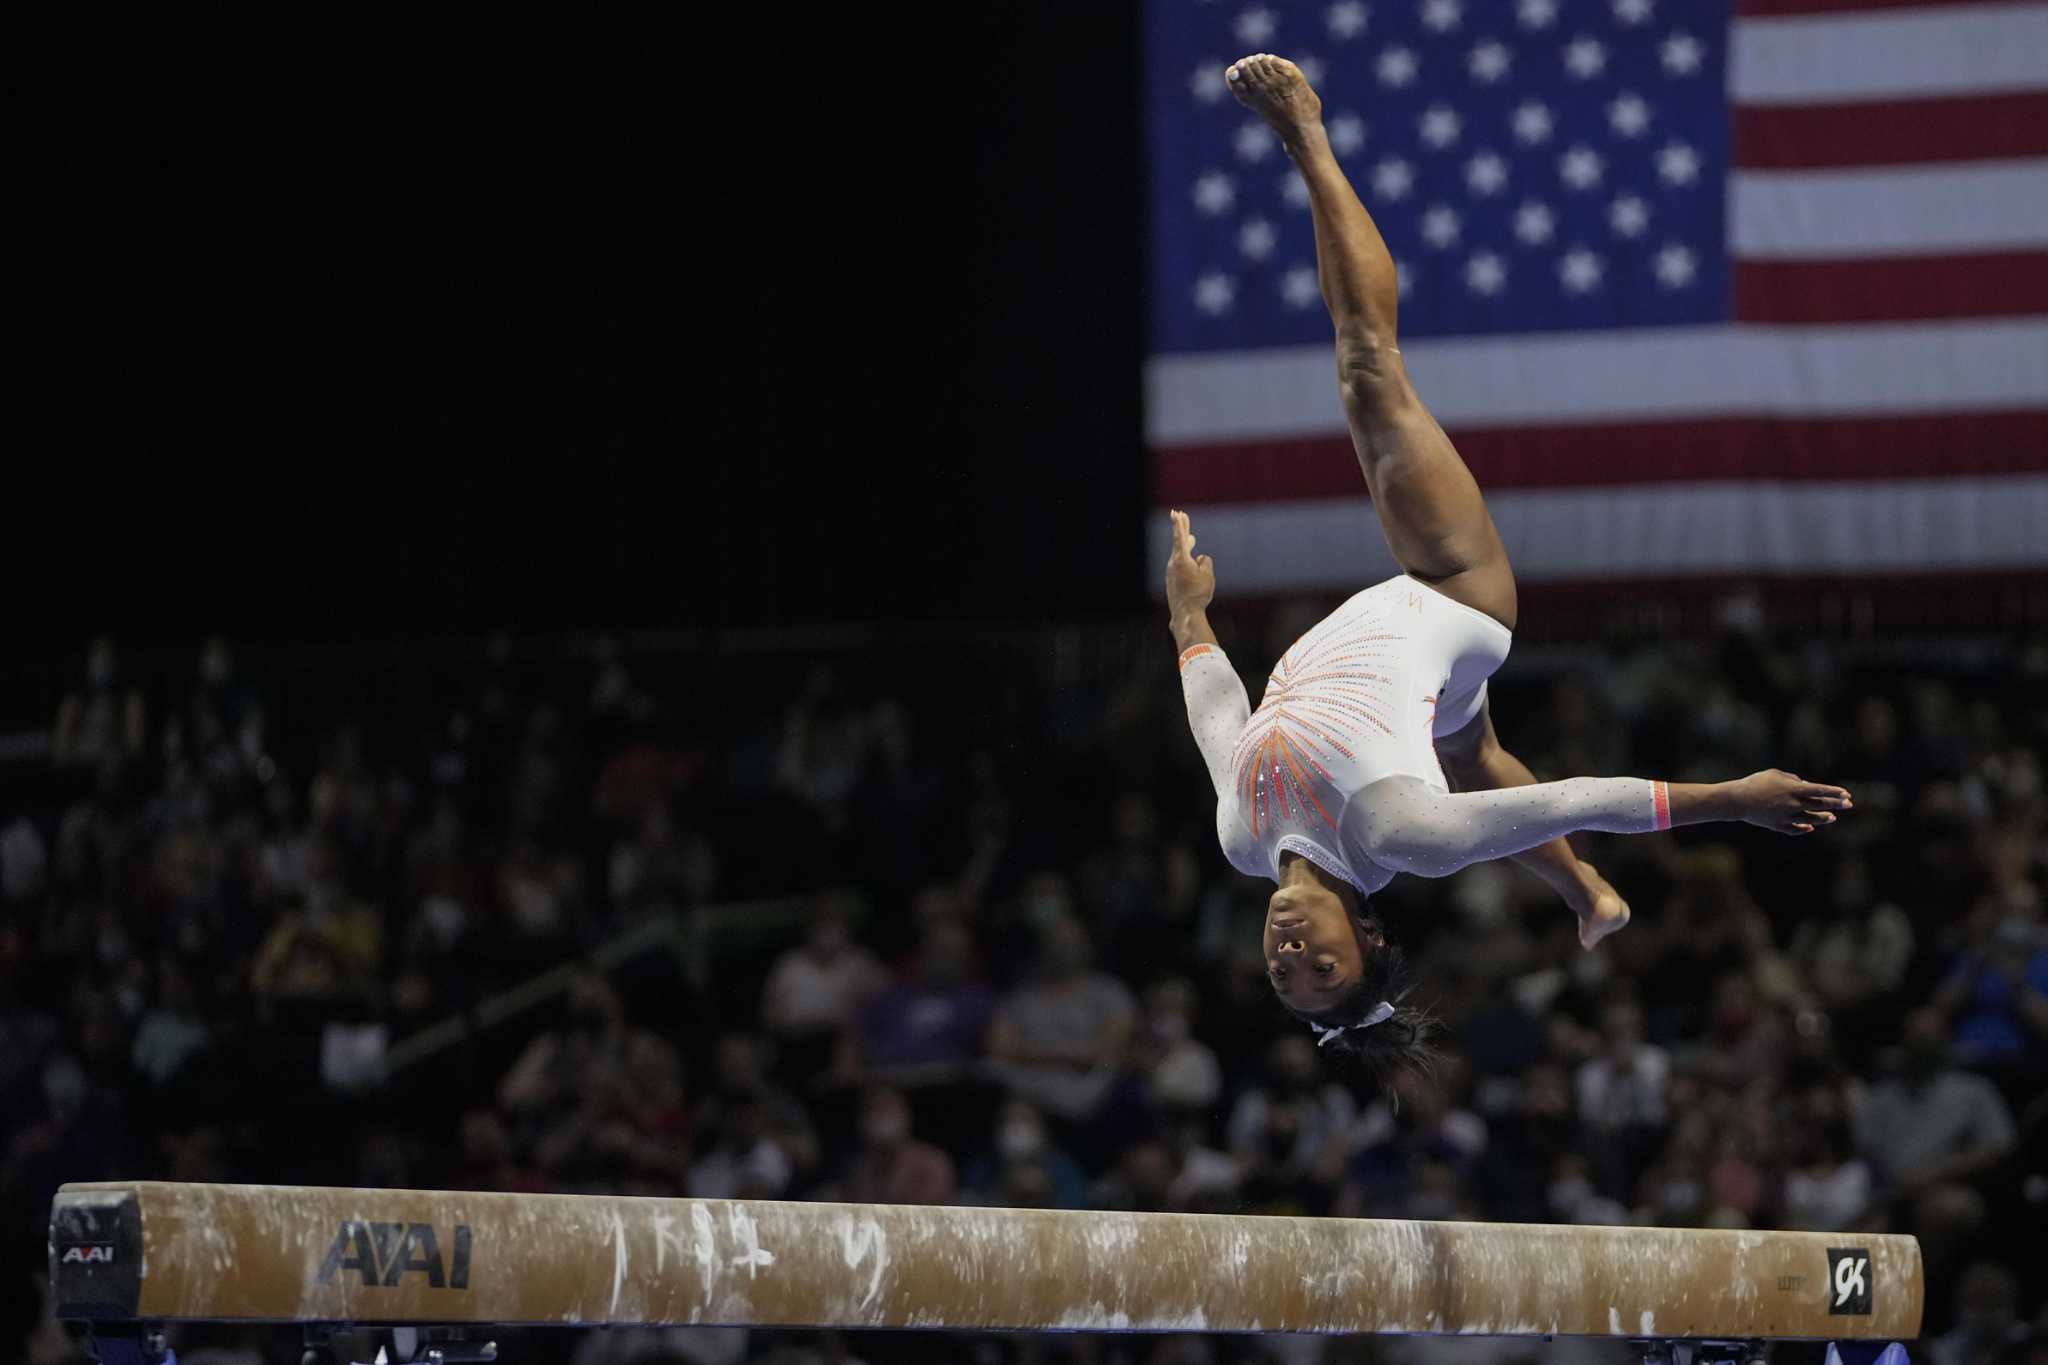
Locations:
{"points": [[995, 958]]}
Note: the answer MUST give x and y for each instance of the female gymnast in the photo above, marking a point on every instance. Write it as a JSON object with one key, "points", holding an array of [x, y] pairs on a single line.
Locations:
{"points": [[1344, 775]]}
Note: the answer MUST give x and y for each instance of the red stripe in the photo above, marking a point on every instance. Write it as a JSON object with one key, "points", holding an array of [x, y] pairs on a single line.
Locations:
{"points": [[1703, 451], [1989, 284], [1891, 132], [1759, 9], [1661, 795]]}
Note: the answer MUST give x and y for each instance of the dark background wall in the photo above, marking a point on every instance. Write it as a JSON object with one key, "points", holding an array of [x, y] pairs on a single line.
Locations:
{"points": [[353, 334]]}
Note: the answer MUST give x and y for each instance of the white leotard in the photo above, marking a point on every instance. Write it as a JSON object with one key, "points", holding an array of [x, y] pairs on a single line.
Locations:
{"points": [[1339, 765]]}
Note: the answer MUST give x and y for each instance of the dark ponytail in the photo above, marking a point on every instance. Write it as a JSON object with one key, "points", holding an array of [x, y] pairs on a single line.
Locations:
{"points": [[1404, 1041]]}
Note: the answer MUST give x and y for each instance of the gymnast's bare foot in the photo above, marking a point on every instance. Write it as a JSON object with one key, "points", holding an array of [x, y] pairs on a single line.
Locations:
{"points": [[1274, 89], [1600, 908]]}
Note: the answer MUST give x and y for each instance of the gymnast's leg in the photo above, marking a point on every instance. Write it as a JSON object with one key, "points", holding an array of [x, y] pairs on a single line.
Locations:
{"points": [[1429, 505]]}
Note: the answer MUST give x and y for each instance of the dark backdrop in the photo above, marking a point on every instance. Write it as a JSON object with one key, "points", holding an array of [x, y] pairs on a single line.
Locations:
{"points": [[352, 334]]}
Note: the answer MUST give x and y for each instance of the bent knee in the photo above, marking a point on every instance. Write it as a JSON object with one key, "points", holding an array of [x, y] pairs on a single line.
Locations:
{"points": [[1370, 375]]}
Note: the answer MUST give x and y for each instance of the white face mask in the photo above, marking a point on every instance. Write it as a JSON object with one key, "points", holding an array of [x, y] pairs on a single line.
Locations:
{"points": [[1020, 1140]]}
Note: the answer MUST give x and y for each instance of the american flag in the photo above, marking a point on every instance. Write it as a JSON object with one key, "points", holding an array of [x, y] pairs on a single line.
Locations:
{"points": [[1696, 288]]}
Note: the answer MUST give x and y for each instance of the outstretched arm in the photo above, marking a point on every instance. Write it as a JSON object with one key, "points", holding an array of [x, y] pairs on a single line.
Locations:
{"points": [[1217, 705]]}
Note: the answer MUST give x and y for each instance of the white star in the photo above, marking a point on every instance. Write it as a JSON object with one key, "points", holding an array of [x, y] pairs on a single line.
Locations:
{"points": [[1536, 13], [1486, 173], [1404, 278], [1396, 67], [1678, 164], [1298, 286], [1633, 11], [1440, 226], [1682, 54], [1675, 266], [1214, 293], [1207, 83], [1535, 223], [1485, 273], [1393, 178], [1489, 61], [1440, 125], [1580, 167], [1254, 142], [1579, 270], [1442, 15], [1294, 189], [1585, 57], [1347, 134], [1255, 26], [1628, 114], [1346, 19], [1532, 122], [1256, 238], [1214, 192], [1628, 216], [1312, 69]]}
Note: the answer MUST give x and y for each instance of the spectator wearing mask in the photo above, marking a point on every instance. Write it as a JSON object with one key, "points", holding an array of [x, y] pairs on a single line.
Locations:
{"points": [[1060, 1040], [814, 991], [893, 1167], [1180, 1070], [1996, 994], [1022, 1142]]}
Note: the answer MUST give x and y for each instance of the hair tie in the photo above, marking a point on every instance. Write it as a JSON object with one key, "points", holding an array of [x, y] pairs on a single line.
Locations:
{"points": [[1380, 1014]]}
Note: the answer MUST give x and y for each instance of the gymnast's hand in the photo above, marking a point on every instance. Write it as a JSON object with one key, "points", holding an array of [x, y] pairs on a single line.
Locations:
{"points": [[1788, 804], [1190, 578]]}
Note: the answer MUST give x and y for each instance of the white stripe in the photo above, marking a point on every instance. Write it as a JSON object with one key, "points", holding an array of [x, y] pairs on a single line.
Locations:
{"points": [[1618, 376], [1651, 530], [1897, 210], [1840, 58]]}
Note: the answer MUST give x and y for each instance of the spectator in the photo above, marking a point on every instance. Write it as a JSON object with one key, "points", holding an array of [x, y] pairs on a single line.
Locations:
{"points": [[814, 991], [1167, 1176], [928, 1026], [1022, 1143], [172, 1032], [893, 1166], [1855, 958], [1621, 1096], [1997, 990], [743, 1160], [1060, 1040], [1933, 1129], [1180, 1070], [1291, 1134], [1828, 1187]]}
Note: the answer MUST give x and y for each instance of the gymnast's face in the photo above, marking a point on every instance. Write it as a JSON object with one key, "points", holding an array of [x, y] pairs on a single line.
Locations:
{"points": [[1314, 957]]}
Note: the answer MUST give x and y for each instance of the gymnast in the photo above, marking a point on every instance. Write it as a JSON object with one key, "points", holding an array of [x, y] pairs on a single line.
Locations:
{"points": [[1373, 751]]}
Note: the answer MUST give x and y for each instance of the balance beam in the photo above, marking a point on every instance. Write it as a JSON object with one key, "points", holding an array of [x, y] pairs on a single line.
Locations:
{"points": [[145, 1252]]}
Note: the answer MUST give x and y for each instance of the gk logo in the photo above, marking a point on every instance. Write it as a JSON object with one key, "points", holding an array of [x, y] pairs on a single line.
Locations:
{"points": [[1849, 1277]]}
